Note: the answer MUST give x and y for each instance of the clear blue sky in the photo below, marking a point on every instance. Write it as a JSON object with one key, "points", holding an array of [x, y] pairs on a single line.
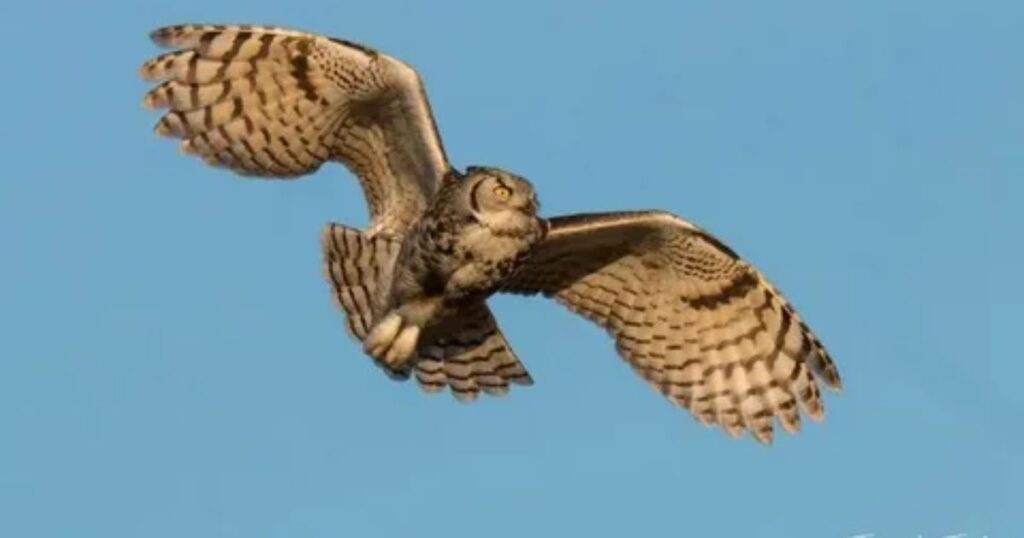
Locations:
{"points": [[171, 364]]}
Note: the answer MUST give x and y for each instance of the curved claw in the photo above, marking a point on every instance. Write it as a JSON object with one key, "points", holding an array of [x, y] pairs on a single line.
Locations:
{"points": [[392, 341], [379, 339], [403, 346]]}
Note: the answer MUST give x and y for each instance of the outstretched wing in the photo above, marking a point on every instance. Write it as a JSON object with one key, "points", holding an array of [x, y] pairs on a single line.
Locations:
{"points": [[267, 101], [701, 325]]}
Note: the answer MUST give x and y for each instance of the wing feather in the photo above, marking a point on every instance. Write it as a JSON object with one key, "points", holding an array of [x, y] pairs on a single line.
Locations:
{"points": [[701, 325], [273, 102]]}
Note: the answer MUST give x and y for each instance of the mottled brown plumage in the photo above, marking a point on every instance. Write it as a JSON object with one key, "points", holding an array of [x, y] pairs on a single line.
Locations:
{"points": [[272, 102], [698, 323]]}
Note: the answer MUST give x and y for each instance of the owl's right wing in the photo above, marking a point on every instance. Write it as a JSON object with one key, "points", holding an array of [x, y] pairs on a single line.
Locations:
{"points": [[272, 102], [698, 323]]}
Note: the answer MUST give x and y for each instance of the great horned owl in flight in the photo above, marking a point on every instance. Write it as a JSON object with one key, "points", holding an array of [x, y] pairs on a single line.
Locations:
{"points": [[692, 318]]}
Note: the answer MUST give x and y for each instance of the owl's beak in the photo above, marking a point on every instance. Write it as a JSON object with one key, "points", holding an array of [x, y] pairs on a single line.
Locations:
{"points": [[530, 208]]}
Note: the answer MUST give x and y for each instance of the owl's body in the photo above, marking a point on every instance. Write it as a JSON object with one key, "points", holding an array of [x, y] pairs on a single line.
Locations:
{"points": [[698, 323], [458, 253]]}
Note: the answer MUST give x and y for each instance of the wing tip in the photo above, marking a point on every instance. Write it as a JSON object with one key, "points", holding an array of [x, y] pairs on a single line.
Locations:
{"points": [[177, 35], [815, 412], [764, 436], [150, 101], [164, 35], [145, 71], [163, 128], [830, 374], [792, 426]]}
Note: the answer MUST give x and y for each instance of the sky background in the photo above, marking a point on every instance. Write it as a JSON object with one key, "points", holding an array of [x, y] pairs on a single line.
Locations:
{"points": [[171, 364]]}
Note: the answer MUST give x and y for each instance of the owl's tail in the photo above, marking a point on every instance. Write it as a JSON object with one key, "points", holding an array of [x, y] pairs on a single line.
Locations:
{"points": [[467, 353]]}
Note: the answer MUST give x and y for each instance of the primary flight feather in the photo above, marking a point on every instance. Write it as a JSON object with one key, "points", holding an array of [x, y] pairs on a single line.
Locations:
{"points": [[692, 318]]}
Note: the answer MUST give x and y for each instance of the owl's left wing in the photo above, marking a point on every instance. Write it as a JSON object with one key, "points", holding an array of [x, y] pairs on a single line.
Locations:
{"points": [[698, 323], [273, 102]]}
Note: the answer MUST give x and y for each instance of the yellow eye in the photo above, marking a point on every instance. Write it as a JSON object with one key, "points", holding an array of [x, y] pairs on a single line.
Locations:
{"points": [[503, 193]]}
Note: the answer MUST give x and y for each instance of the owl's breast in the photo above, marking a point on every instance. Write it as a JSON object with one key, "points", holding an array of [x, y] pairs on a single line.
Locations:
{"points": [[478, 244], [494, 255]]}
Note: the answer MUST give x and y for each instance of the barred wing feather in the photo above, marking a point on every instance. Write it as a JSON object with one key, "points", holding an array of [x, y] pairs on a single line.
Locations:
{"points": [[272, 102], [698, 323]]}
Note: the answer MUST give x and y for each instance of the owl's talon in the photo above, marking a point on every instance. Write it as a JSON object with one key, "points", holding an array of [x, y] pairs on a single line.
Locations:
{"points": [[382, 335], [392, 341], [403, 346]]}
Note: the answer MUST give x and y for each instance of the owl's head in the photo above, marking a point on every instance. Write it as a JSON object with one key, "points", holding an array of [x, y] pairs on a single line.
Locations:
{"points": [[495, 193]]}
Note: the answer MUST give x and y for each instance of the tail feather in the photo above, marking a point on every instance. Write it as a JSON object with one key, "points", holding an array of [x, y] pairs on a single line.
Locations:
{"points": [[469, 354]]}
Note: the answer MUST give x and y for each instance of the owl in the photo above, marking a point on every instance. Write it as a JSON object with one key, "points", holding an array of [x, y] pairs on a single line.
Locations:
{"points": [[693, 319]]}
